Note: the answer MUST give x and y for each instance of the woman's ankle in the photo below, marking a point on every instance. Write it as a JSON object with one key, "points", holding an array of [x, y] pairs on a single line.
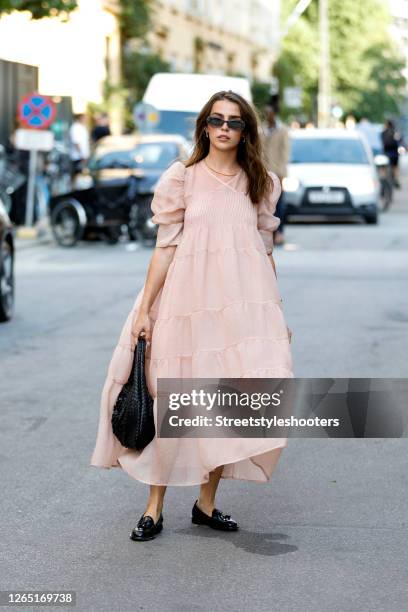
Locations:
{"points": [[206, 505], [154, 510]]}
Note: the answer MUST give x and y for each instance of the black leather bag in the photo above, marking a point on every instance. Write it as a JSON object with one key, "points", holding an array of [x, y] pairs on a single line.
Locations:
{"points": [[132, 416]]}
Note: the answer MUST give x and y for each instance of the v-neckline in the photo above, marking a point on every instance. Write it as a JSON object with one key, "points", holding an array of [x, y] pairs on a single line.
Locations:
{"points": [[225, 183]]}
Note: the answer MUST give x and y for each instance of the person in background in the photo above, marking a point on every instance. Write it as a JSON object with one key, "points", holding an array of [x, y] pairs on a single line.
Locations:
{"points": [[101, 127], [79, 143], [276, 145], [391, 140], [372, 135]]}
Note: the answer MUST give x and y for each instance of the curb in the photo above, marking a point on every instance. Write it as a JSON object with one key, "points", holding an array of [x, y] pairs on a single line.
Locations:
{"points": [[27, 237]]}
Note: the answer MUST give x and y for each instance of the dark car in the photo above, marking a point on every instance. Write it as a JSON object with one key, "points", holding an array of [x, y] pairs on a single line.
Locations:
{"points": [[13, 183], [116, 188], [6, 265]]}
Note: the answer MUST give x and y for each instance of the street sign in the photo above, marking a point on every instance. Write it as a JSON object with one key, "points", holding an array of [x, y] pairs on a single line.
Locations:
{"points": [[36, 111], [30, 140], [146, 116], [292, 97]]}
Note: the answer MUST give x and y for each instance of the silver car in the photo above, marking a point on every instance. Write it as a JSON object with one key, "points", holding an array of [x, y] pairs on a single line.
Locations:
{"points": [[331, 172]]}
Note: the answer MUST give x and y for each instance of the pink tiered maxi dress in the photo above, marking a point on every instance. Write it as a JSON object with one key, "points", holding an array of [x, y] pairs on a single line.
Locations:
{"points": [[218, 315]]}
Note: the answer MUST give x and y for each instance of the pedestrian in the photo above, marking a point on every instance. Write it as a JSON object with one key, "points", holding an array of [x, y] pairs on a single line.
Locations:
{"points": [[210, 307], [391, 141], [79, 144], [371, 134], [276, 144], [101, 127]]}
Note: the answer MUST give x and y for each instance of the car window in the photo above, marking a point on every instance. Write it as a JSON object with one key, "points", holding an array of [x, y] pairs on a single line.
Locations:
{"points": [[155, 155], [327, 151], [177, 122], [150, 155]]}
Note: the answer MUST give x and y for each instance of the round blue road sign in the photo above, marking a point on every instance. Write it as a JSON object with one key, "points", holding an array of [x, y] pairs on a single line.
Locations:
{"points": [[36, 111]]}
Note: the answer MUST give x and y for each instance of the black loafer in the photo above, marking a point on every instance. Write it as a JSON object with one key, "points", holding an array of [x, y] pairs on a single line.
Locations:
{"points": [[218, 520], [146, 528]]}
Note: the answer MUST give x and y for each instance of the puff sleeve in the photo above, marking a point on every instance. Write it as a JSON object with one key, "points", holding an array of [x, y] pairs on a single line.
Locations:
{"points": [[267, 221], [168, 205]]}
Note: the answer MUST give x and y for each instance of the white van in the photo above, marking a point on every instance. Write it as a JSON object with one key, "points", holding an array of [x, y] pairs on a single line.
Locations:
{"points": [[179, 97]]}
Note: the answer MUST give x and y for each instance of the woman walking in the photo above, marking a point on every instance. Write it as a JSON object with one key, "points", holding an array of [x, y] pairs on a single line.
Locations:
{"points": [[210, 307], [391, 140]]}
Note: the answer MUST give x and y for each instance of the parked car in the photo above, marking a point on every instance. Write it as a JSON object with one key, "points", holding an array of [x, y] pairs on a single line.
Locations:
{"points": [[331, 173], [113, 193], [12, 185], [7, 233]]}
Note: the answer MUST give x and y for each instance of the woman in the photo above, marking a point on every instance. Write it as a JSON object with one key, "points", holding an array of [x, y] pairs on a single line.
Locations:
{"points": [[391, 141], [210, 307]]}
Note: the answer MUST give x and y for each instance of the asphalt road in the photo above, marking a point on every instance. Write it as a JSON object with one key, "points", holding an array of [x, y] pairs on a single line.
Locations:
{"points": [[328, 532]]}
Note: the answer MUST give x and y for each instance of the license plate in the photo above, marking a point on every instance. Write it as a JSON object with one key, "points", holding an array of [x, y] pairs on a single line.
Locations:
{"points": [[326, 197]]}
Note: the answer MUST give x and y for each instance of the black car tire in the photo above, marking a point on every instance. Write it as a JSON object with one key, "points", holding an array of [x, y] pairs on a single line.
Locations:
{"points": [[111, 235], [6, 283], [7, 201], [371, 219], [66, 212]]}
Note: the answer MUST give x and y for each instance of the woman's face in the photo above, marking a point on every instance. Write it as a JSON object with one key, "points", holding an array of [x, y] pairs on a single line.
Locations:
{"points": [[224, 138]]}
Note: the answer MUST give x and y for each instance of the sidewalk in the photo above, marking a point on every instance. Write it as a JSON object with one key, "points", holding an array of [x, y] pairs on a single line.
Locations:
{"points": [[27, 237]]}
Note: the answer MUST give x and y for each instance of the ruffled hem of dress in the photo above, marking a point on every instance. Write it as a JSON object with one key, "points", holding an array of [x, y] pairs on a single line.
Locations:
{"points": [[227, 476], [224, 477]]}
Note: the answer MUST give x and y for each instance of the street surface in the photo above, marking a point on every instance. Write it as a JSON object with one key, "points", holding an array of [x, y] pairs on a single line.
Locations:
{"points": [[328, 532]]}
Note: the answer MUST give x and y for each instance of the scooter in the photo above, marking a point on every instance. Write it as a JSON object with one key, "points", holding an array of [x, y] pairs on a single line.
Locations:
{"points": [[102, 212]]}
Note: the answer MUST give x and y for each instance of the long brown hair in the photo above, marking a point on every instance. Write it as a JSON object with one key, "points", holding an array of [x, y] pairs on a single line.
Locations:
{"points": [[249, 154]]}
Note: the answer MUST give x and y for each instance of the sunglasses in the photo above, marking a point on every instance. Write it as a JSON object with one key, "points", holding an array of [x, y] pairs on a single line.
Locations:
{"points": [[233, 124]]}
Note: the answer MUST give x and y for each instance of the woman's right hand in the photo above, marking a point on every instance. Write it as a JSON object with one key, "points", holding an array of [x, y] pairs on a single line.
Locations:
{"points": [[141, 326]]}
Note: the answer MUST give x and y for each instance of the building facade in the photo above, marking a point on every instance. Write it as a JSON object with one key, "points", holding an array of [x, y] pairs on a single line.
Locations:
{"points": [[228, 37], [74, 58]]}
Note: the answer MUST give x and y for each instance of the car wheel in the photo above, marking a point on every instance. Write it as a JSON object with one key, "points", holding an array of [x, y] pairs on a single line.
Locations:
{"points": [[111, 235], [7, 201], [371, 219], [66, 225], [6, 283]]}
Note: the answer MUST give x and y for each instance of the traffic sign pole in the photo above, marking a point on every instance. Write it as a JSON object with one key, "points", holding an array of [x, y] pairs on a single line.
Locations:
{"points": [[36, 113], [32, 170]]}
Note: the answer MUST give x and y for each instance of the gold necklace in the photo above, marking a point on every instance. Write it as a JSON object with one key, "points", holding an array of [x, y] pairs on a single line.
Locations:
{"points": [[223, 173]]}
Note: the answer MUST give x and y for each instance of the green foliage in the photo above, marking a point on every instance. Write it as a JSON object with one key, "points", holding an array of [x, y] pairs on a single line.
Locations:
{"points": [[366, 67], [298, 64], [38, 10], [135, 18], [260, 94], [138, 68]]}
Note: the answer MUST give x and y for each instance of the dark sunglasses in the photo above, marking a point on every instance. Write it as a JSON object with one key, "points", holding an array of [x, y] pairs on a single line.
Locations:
{"points": [[233, 124]]}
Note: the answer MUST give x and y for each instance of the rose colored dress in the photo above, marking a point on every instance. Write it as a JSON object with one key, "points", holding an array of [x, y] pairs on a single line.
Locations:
{"points": [[218, 315]]}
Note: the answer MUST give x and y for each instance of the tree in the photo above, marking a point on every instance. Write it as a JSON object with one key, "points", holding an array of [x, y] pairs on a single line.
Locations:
{"points": [[139, 67], [138, 61], [38, 10], [365, 64], [135, 18]]}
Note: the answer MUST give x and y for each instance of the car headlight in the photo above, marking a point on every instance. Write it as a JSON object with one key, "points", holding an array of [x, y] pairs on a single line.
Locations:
{"points": [[290, 183], [365, 185]]}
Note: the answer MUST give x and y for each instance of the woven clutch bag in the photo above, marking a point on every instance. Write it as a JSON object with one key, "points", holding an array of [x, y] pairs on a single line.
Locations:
{"points": [[132, 416]]}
